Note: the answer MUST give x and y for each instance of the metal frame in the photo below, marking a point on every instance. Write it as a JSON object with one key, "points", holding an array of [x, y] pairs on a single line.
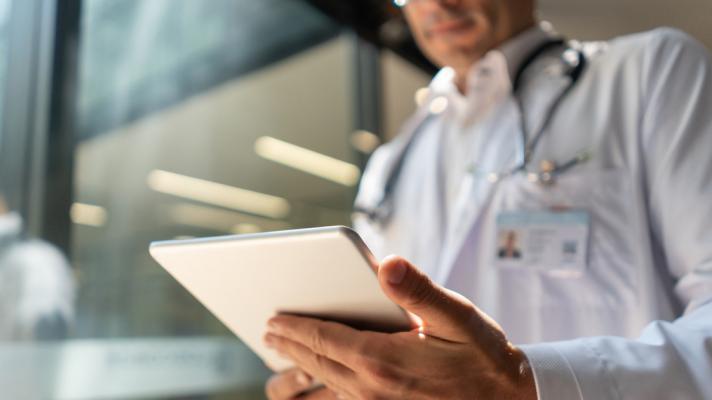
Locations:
{"points": [[368, 87], [37, 150], [20, 99]]}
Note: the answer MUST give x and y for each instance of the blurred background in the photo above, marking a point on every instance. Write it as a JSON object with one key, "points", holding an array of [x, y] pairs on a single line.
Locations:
{"points": [[128, 121]]}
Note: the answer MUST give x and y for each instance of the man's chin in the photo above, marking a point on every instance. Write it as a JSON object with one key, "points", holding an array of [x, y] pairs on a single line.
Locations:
{"points": [[460, 54], [456, 41]]}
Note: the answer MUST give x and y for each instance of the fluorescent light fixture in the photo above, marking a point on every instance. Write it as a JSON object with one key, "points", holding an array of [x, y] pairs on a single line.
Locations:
{"points": [[308, 161], [218, 194], [87, 214], [365, 141], [421, 95], [244, 228]]}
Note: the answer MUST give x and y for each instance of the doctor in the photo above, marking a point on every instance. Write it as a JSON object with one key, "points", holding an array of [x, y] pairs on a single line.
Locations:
{"points": [[597, 158]]}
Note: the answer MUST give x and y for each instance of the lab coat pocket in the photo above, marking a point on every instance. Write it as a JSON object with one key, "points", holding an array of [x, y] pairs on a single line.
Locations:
{"points": [[608, 276]]}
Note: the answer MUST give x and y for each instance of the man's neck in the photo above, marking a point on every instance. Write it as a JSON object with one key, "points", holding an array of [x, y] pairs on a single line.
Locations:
{"points": [[461, 78]]}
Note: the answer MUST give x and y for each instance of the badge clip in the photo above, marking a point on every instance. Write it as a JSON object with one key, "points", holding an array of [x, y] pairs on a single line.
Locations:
{"points": [[545, 176]]}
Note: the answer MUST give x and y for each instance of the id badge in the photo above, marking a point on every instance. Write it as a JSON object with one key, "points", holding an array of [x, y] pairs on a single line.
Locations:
{"points": [[552, 242]]}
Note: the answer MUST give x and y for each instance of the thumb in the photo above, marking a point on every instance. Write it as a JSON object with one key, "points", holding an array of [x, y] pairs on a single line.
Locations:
{"points": [[445, 314]]}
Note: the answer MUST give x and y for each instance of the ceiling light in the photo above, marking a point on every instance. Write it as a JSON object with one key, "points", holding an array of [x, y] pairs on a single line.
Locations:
{"points": [[421, 95], [87, 214], [245, 228], [308, 161], [365, 141], [218, 194]]}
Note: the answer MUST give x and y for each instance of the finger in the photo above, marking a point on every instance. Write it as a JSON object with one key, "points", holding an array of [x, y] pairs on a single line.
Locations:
{"points": [[444, 314], [329, 372], [320, 394], [330, 339], [288, 385]]}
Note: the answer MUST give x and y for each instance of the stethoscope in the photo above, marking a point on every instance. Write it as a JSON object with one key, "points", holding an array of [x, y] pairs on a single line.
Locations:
{"points": [[575, 60]]}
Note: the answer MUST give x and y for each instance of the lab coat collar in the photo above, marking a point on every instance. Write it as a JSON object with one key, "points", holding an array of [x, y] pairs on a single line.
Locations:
{"points": [[489, 79], [516, 49], [513, 50]]}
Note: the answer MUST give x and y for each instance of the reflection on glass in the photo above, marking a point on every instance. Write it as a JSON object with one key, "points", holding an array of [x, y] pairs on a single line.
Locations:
{"points": [[218, 194], [364, 141], [307, 160], [87, 214]]}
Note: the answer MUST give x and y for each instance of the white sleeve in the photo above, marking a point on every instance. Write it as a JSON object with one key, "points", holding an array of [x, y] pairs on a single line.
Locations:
{"points": [[670, 360]]}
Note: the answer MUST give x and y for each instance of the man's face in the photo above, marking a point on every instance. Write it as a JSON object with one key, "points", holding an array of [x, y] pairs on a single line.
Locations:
{"points": [[457, 33]]}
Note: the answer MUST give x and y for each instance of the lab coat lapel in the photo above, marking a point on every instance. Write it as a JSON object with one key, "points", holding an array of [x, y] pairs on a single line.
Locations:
{"points": [[476, 189], [472, 199]]}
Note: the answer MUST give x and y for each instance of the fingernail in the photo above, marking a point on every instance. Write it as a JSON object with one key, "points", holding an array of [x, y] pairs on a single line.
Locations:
{"points": [[303, 379], [397, 273]]}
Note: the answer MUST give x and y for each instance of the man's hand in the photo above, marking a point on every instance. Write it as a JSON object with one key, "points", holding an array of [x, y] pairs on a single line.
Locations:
{"points": [[457, 352], [296, 384]]}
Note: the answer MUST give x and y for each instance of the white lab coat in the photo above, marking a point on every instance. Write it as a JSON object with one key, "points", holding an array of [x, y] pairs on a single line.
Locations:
{"points": [[637, 324]]}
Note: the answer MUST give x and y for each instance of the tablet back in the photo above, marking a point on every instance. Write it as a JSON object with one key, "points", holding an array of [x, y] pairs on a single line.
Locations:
{"points": [[244, 280]]}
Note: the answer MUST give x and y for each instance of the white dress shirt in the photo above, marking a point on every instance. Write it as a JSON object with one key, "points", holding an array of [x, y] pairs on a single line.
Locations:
{"points": [[637, 323]]}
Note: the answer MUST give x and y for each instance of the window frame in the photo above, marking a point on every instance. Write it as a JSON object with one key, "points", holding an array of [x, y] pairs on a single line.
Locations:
{"points": [[37, 142]]}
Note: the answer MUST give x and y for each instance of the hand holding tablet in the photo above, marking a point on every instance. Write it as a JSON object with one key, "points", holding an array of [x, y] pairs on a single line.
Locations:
{"points": [[326, 273], [299, 281]]}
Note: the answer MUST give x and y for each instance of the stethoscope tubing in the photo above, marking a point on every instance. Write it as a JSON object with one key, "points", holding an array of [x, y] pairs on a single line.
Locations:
{"points": [[381, 213]]}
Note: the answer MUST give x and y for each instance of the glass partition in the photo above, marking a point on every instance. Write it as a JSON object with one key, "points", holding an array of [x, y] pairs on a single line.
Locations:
{"points": [[193, 118], [197, 119]]}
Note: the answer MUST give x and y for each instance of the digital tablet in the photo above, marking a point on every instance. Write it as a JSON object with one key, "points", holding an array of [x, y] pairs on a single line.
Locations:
{"points": [[244, 280]]}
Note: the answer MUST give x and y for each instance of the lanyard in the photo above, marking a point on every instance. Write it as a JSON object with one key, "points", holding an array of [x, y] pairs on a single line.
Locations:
{"points": [[576, 61]]}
